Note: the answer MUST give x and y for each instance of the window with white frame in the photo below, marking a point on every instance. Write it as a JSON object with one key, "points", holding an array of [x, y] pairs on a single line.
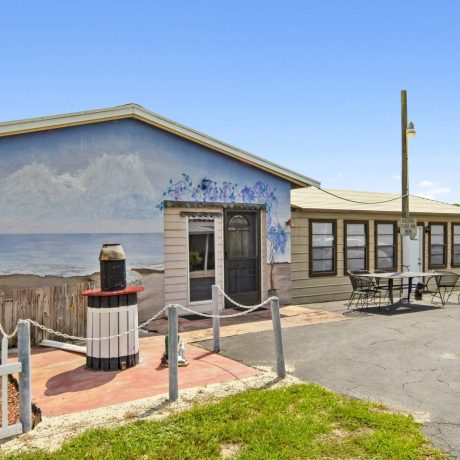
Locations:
{"points": [[201, 258]]}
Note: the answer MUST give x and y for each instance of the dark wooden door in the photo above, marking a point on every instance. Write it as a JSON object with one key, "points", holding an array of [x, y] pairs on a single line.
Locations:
{"points": [[242, 256]]}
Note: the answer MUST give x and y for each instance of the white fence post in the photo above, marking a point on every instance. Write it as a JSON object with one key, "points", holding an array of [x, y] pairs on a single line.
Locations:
{"points": [[172, 354], [215, 319], [4, 383], [279, 348], [25, 401]]}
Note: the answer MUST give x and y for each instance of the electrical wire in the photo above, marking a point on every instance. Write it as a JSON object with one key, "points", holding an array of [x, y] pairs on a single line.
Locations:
{"points": [[360, 202]]}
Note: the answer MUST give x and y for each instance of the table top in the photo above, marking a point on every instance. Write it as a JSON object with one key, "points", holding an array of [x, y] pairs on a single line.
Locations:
{"points": [[399, 275]]}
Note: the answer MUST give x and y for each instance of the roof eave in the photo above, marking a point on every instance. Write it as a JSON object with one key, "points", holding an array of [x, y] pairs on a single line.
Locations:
{"points": [[366, 211], [140, 113]]}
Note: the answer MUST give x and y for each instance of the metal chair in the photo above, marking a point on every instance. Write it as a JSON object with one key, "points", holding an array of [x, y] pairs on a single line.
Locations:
{"points": [[446, 282], [364, 290]]}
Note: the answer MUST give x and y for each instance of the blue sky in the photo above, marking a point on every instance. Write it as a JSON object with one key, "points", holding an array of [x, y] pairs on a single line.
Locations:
{"points": [[314, 86]]}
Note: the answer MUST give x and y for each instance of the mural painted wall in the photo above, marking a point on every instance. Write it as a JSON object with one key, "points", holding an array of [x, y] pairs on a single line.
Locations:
{"points": [[65, 192]]}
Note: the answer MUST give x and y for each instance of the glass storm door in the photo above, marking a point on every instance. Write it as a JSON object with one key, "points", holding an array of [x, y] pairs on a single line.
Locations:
{"points": [[242, 256]]}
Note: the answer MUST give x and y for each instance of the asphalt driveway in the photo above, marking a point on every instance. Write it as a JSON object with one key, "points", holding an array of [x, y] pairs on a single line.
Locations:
{"points": [[408, 359]]}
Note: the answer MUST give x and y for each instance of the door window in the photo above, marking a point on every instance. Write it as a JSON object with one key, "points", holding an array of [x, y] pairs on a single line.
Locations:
{"points": [[201, 259]]}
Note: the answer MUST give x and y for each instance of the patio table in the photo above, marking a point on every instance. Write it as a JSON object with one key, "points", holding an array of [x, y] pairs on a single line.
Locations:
{"points": [[391, 276]]}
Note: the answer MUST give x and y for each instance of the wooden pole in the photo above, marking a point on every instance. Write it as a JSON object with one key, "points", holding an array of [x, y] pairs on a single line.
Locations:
{"points": [[25, 400], [405, 156], [172, 354], [279, 348], [215, 319], [4, 383]]}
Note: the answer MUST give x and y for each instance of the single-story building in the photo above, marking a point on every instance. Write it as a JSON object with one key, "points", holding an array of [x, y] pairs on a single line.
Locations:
{"points": [[189, 210], [331, 235]]}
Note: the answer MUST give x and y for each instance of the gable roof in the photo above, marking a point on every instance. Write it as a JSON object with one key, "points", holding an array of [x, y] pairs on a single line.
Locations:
{"points": [[137, 112], [313, 199]]}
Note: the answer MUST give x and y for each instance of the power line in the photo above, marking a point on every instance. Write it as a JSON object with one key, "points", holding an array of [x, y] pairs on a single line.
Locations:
{"points": [[360, 202]]}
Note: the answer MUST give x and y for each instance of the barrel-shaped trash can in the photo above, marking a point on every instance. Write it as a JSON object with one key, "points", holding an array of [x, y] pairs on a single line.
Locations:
{"points": [[112, 312]]}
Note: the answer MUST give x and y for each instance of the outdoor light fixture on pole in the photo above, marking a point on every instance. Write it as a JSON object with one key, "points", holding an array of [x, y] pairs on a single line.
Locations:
{"points": [[407, 130]]}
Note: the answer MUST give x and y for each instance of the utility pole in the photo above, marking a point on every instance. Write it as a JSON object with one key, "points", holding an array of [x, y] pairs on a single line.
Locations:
{"points": [[405, 159]]}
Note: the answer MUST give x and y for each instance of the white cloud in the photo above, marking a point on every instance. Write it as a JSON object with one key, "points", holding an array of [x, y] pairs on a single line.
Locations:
{"points": [[433, 192], [396, 177], [112, 188], [426, 183]]}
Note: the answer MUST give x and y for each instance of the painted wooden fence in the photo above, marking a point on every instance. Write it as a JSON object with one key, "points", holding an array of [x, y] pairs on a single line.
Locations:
{"points": [[62, 308]]}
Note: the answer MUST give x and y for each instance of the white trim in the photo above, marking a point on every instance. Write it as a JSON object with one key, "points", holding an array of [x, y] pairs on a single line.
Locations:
{"points": [[200, 303], [7, 369], [10, 430], [11, 128]]}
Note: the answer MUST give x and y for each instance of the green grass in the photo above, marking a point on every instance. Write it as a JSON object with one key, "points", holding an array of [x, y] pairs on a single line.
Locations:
{"points": [[298, 422]]}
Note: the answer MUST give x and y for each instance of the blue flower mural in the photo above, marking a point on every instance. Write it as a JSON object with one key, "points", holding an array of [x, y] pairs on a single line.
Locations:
{"points": [[209, 191]]}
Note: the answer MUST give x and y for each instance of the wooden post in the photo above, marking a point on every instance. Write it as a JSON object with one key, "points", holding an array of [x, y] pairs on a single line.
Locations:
{"points": [[404, 156], [4, 383], [172, 354], [215, 319], [279, 348], [25, 401]]}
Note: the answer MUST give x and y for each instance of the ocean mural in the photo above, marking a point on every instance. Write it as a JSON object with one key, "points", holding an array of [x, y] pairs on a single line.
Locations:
{"points": [[65, 192]]}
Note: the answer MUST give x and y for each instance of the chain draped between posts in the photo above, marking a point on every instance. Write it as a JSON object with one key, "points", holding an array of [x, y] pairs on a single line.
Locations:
{"points": [[247, 309], [8, 336], [172, 310]]}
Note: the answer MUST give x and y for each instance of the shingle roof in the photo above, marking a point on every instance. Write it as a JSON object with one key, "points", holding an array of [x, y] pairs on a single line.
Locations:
{"points": [[315, 199]]}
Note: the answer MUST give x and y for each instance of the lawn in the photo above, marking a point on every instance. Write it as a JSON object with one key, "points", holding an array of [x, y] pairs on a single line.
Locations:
{"points": [[297, 422]]}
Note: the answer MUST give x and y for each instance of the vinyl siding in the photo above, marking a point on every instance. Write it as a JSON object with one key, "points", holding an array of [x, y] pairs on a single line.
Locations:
{"points": [[328, 288], [176, 257]]}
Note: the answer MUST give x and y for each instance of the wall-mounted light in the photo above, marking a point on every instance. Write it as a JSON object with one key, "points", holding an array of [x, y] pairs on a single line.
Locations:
{"points": [[426, 229], [290, 223]]}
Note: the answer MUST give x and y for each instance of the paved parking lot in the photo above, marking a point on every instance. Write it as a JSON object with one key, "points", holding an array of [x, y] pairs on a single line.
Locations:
{"points": [[408, 359]]}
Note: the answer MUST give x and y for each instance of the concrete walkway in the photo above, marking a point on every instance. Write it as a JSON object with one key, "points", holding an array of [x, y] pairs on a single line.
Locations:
{"points": [[258, 321], [61, 384], [408, 359]]}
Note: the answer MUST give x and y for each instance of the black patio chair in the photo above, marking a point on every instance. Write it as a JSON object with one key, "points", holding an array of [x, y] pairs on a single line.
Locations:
{"points": [[445, 284], [364, 290]]}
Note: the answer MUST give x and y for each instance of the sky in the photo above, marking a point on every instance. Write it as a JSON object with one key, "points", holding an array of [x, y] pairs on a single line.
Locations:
{"points": [[313, 86]]}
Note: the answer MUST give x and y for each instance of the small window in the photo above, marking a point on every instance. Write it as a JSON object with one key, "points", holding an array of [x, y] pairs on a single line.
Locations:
{"points": [[238, 221], [201, 259], [322, 248], [455, 245], [356, 245], [437, 245], [385, 246]]}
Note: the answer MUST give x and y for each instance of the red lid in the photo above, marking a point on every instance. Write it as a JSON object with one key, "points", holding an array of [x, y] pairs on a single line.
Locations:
{"points": [[99, 293]]}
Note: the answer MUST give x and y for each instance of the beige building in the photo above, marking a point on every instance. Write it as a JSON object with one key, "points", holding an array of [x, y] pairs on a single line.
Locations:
{"points": [[331, 236]]}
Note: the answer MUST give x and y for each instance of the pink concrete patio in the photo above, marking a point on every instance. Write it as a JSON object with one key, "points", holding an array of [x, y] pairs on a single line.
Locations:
{"points": [[62, 385]]}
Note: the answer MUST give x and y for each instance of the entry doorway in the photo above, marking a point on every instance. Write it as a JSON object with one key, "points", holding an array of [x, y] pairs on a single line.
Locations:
{"points": [[242, 256], [413, 253]]}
